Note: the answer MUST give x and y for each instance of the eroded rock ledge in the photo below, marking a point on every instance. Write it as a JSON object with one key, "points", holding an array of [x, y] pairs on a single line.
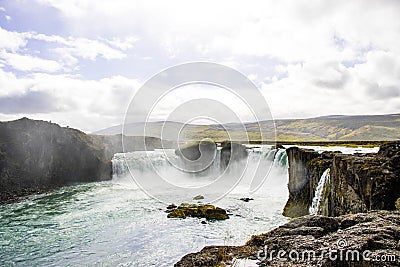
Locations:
{"points": [[376, 234], [358, 183]]}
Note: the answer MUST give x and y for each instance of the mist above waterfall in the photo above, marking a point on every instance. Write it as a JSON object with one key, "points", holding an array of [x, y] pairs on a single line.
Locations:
{"points": [[264, 169]]}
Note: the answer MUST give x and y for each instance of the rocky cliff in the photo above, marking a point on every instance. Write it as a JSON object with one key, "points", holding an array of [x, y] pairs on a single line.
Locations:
{"points": [[358, 183], [364, 239], [36, 156]]}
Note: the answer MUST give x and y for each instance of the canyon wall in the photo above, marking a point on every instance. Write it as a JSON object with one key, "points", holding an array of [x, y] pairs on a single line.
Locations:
{"points": [[358, 183], [36, 156]]}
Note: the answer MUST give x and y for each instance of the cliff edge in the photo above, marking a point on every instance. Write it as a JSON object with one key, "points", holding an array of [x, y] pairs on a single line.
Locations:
{"points": [[36, 156], [357, 183]]}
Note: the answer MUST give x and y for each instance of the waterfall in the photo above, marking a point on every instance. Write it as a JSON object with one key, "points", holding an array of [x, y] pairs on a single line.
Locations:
{"points": [[141, 160], [159, 159], [280, 158], [147, 165], [318, 192]]}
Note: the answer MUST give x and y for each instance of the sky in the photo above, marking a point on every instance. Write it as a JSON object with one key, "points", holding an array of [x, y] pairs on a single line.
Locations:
{"points": [[80, 62]]}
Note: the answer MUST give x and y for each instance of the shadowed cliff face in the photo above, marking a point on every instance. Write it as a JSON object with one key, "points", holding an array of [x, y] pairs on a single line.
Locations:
{"points": [[36, 156], [358, 183], [303, 178], [231, 152]]}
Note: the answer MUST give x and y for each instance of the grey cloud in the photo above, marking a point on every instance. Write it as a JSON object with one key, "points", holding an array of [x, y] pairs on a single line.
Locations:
{"points": [[382, 92], [30, 102], [338, 83]]}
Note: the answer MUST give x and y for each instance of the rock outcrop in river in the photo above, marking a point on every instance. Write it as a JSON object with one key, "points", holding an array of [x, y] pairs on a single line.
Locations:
{"points": [[358, 183], [206, 211], [365, 239]]}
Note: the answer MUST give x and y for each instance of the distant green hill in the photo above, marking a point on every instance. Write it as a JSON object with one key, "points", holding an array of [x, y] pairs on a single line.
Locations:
{"points": [[327, 128]]}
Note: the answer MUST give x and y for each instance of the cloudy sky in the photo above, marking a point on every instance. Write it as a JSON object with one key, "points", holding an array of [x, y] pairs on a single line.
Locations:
{"points": [[79, 62]]}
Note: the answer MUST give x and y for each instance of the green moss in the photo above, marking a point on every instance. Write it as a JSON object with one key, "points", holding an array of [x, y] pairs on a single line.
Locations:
{"points": [[177, 213], [314, 163], [398, 204]]}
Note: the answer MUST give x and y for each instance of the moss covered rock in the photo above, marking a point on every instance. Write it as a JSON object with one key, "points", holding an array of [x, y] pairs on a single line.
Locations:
{"points": [[209, 212], [398, 204]]}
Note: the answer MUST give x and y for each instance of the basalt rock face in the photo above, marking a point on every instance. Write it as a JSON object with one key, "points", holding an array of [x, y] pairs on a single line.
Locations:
{"points": [[358, 183], [36, 156], [197, 150], [197, 156], [364, 239], [305, 168], [231, 152], [364, 182]]}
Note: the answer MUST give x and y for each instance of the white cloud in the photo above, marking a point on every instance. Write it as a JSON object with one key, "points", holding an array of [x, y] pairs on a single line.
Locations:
{"points": [[311, 58], [30, 63], [88, 48], [123, 44], [370, 87], [11, 40], [68, 50], [292, 31], [86, 104]]}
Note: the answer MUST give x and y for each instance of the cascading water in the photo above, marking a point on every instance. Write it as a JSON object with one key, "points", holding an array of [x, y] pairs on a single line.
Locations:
{"points": [[165, 162], [318, 192], [280, 158]]}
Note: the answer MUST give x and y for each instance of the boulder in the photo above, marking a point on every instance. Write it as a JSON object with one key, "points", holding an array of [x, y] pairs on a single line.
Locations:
{"points": [[206, 211]]}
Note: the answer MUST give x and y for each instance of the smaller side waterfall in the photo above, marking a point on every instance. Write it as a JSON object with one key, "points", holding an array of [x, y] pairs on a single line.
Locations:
{"points": [[318, 192], [280, 158]]}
